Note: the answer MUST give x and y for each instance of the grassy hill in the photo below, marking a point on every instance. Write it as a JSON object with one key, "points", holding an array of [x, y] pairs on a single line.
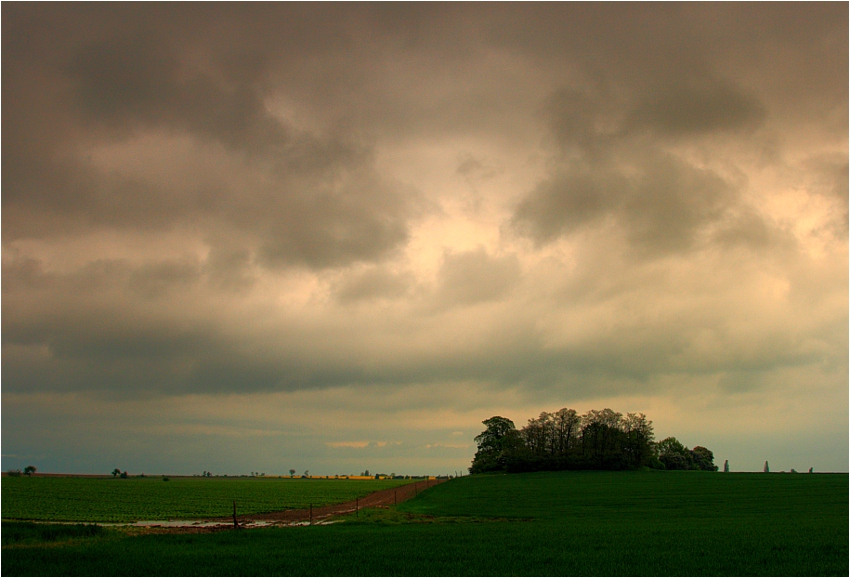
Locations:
{"points": [[566, 523]]}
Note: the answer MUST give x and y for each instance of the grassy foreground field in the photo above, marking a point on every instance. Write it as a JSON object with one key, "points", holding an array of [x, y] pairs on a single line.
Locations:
{"points": [[567, 523], [70, 499]]}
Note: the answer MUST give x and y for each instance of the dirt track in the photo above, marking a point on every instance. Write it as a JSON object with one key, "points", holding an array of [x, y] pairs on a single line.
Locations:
{"points": [[292, 517]]}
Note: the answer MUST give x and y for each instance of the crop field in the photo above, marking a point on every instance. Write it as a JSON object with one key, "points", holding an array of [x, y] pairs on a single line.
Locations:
{"points": [[564, 523], [69, 499]]}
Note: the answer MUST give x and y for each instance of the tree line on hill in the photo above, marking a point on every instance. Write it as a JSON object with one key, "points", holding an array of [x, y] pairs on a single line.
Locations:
{"points": [[598, 440], [28, 471]]}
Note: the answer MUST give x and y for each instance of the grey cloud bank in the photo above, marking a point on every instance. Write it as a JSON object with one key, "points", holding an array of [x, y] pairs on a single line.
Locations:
{"points": [[337, 234]]}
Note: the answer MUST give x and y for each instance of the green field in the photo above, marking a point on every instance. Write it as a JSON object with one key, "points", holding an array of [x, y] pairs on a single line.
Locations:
{"points": [[132, 499], [566, 523]]}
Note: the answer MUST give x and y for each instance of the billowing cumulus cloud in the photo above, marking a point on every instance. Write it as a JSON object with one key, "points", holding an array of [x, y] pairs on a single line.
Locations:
{"points": [[628, 167], [349, 233]]}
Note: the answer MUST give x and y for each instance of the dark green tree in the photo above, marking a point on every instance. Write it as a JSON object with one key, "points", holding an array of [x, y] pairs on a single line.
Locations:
{"points": [[703, 458], [566, 428], [29, 470], [499, 438], [674, 455], [639, 438], [603, 440]]}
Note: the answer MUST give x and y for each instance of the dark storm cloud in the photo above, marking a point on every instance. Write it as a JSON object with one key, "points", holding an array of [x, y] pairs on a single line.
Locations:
{"points": [[567, 201], [318, 202], [663, 205], [259, 128], [144, 329], [666, 79], [607, 168], [326, 226], [115, 326], [136, 330], [125, 69], [694, 106], [374, 283]]}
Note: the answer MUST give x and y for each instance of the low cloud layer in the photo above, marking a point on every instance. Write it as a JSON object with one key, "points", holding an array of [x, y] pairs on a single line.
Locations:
{"points": [[419, 216]]}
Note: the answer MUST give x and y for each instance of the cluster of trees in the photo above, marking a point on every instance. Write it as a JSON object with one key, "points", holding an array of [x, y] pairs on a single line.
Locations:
{"points": [[674, 456], [597, 440]]}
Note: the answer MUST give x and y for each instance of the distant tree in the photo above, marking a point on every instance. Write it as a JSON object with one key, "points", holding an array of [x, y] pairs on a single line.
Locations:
{"points": [[116, 472], [123, 475], [292, 472], [674, 455], [603, 440], [564, 440], [726, 466], [598, 440], [29, 470], [494, 443], [497, 429], [811, 470], [15, 473], [703, 458], [566, 429], [675, 462], [639, 438], [766, 468]]}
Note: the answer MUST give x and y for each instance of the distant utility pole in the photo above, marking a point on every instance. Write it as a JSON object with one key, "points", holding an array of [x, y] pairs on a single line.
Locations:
{"points": [[726, 467]]}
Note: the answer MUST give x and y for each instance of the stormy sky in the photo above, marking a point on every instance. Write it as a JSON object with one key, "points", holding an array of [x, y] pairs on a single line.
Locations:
{"points": [[336, 237]]}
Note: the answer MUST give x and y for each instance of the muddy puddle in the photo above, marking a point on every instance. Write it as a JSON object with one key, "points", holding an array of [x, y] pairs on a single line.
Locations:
{"points": [[206, 524]]}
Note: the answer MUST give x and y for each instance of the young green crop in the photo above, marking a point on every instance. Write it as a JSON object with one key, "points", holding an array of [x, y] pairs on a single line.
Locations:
{"points": [[565, 524], [589, 495], [25, 533], [123, 500]]}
